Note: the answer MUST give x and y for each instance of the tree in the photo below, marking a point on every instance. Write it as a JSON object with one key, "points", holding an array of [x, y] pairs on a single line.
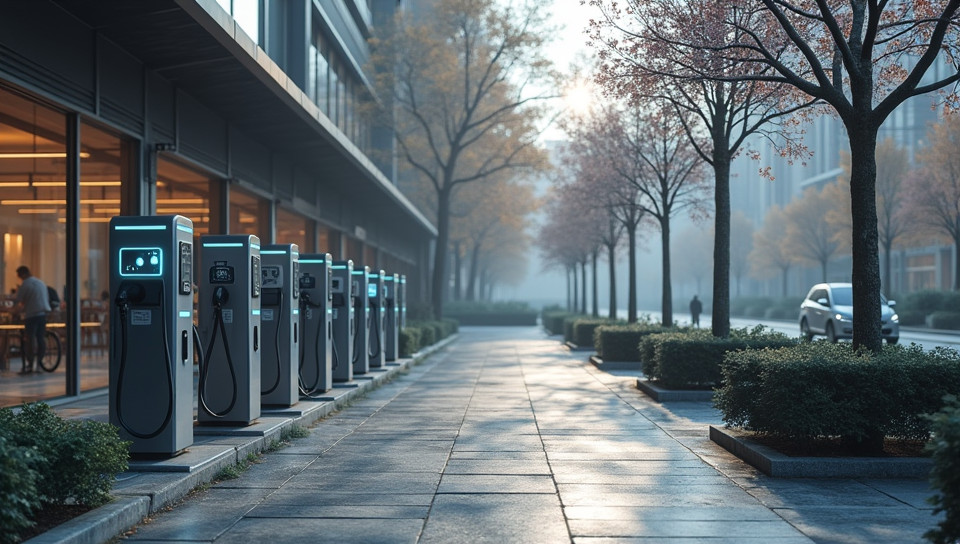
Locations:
{"points": [[861, 58], [769, 255], [932, 195], [893, 165], [458, 79], [741, 243], [655, 155], [809, 235], [656, 49]]}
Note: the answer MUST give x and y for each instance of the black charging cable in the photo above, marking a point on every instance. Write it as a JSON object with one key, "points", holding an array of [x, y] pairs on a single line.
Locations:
{"points": [[123, 302], [375, 327], [306, 303], [220, 296], [276, 345]]}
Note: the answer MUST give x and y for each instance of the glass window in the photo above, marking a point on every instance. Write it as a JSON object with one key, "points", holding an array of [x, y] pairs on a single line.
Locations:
{"points": [[32, 213], [185, 191], [246, 13], [334, 90], [249, 214], [293, 228], [323, 76]]}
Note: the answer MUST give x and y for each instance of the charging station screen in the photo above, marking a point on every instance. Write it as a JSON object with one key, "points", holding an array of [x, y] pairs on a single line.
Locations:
{"points": [[372, 290], [141, 261]]}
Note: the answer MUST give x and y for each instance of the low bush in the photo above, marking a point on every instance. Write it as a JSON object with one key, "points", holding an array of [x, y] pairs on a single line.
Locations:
{"points": [[451, 325], [693, 358], [428, 334], [926, 301], [49, 460], [822, 390], [943, 320], [912, 317], [492, 313], [409, 342], [779, 312], [584, 328], [944, 448], [620, 342], [569, 322], [553, 320]]}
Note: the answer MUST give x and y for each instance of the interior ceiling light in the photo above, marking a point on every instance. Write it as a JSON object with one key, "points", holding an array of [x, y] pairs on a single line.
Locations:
{"points": [[111, 183], [41, 155], [14, 183], [197, 201], [37, 210], [57, 202]]}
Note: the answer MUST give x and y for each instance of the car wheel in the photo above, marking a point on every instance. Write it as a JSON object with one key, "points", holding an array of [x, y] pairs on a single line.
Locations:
{"points": [[831, 335], [893, 341], [805, 330]]}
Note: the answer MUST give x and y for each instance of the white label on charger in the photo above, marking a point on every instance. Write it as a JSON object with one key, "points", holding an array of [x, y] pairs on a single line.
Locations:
{"points": [[335, 312], [266, 314], [227, 315], [141, 317]]}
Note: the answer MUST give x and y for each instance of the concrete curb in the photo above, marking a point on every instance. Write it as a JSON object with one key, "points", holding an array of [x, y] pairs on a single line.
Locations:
{"points": [[660, 394], [776, 464], [152, 489], [615, 365], [574, 347]]}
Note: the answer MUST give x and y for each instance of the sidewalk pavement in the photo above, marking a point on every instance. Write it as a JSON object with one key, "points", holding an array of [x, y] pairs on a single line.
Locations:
{"points": [[506, 436]]}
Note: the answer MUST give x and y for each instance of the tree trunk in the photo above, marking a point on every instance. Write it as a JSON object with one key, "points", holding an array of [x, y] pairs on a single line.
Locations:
{"points": [[666, 300], [472, 277], [720, 326], [583, 285], [457, 272], [863, 207], [613, 281], [632, 274], [595, 303], [440, 256], [569, 291], [823, 270], [576, 290]]}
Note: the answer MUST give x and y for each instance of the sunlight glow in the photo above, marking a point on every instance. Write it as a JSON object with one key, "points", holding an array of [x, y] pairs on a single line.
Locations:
{"points": [[578, 97]]}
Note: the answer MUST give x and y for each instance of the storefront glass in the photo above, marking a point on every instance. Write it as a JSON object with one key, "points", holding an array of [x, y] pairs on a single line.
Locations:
{"points": [[293, 228], [249, 214]]}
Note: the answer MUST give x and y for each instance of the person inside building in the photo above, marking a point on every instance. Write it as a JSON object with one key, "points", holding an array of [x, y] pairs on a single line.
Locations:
{"points": [[34, 301]]}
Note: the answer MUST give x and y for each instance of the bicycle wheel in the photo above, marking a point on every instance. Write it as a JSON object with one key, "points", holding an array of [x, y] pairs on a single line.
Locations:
{"points": [[51, 358]]}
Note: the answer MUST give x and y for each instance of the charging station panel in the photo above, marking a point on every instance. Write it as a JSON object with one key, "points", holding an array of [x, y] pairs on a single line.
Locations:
{"points": [[360, 284], [344, 322], [316, 319], [280, 318], [391, 322], [151, 345], [375, 293], [402, 301], [230, 330]]}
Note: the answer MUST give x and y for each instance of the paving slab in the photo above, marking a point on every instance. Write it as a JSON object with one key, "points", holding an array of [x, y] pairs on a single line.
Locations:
{"points": [[496, 519]]}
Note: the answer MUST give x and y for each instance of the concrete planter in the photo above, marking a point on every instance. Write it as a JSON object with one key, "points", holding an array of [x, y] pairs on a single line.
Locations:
{"points": [[661, 394], [774, 463], [615, 365]]}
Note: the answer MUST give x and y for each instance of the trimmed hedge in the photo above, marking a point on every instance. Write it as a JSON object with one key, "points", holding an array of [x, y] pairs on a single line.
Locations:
{"points": [[819, 390], [47, 460], [944, 320], [553, 320], [409, 342], [584, 328], [945, 476], [621, 342], [693, 358], [569, 322], [492, 313], [427, 333]]}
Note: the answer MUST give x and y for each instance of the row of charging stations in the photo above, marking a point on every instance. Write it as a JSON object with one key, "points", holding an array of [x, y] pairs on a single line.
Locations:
{"points": [[273, 326]]}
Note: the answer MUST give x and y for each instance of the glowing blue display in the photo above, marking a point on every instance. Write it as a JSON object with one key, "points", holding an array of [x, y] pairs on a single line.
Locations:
{"points": [[140, 227], [223, 244], [372, 290], [184, 228], [141, 261]]}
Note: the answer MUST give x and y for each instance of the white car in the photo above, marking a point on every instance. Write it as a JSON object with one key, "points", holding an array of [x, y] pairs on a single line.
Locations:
{"points": [[828, 310]]}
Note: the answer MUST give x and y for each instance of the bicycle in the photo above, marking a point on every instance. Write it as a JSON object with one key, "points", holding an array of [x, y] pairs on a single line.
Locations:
{"points": [[51, 357]]}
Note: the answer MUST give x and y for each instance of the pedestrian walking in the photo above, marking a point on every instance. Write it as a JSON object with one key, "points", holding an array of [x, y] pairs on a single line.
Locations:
{"points": [[695, 309], [34, 300]]}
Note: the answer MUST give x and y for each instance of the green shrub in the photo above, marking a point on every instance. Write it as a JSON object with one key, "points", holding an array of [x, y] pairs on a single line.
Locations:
{"points": [[819, 390], [926, 301], [944, 320], [553, 320], [912, 317], [80, 457], [428, 335], [694, 358], [19, 495], [409, 342], [583, 329], [620, 342], [450, 326], [568, 323], [945, 476]]}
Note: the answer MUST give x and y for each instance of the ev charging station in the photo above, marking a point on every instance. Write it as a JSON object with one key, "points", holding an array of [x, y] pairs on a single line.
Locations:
{"points": [[375, 293], [402, 302], [360, 284], [344, 325], [229, 330], [151, 348], [279, 317], [316, 324], [391, 322]]}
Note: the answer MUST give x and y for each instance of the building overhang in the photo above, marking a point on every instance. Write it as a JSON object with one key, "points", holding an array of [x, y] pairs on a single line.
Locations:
{"points": [[199, 48]]}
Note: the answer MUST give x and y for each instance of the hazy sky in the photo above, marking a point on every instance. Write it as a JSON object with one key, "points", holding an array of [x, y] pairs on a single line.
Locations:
{"points": [[571, 40]]}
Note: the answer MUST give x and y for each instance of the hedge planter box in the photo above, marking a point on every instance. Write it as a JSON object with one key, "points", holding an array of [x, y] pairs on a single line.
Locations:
{"points": [[662, 394], [573, 347], [614, 365], [776, 464]]}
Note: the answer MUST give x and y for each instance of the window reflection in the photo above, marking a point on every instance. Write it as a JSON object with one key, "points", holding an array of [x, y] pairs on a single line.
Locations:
{"points": [[246, 13], [293, 228], [249, 214]]}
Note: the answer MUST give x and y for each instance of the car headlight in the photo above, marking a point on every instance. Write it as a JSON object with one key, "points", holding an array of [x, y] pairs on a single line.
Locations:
{"points": [[895, 318], [841, 317]]}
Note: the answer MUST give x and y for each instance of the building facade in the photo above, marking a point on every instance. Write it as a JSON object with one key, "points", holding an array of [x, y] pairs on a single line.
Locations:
{"points": [[244, 115]]}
